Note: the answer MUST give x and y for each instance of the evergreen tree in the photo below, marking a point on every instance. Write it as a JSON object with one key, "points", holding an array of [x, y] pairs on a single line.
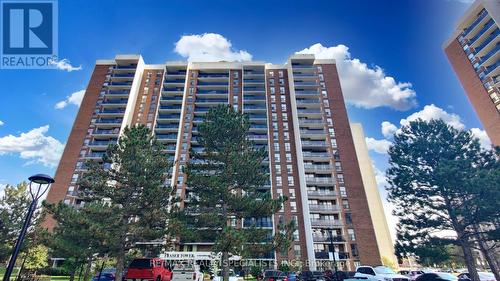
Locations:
{"points": [[14, 206], [80, 234], [227, 182], [131, 182], [432, 173]]}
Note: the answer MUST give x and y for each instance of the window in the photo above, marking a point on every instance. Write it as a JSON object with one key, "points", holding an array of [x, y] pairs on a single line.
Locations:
{"points": [[274, 116], [279, 181], [273, 98], [273, 90], [282, 81], [277, 157], [74, 178], [293, 206], [271, 73], [280, 73], [287, 144], [277, 168], [340, 178], [286, 135], [285, 126], [276, 146], [284, 116], [290, 180], [283, 107], [282, 90], [292, 193], [350, 233], [288, 157], [289, 169], [283, 98]]}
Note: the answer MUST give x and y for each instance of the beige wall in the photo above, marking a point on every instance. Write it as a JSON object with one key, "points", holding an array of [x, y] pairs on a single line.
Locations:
{"points": [[384, 240]]}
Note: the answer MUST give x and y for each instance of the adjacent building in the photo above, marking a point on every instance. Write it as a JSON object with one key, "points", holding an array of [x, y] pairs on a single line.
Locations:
{"points": [[297, 113], [379, 218], [473, 51]]}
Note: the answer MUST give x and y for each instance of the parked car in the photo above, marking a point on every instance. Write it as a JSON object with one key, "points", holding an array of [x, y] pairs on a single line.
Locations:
{"points": [[307, 276], [329, 275], [275, 275], [412, 274], [483, 276], [436, 276], [292, 276], [107, 274], [232, 276], [378, 273], [187, 272], [154, 269]]}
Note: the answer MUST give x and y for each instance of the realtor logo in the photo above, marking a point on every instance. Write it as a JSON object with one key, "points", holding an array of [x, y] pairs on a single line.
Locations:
{"points": [[28, 34]]}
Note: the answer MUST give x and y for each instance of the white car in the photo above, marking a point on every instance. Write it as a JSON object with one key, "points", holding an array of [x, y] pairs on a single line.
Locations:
{"points": [[232, 276], [378, 273], [483, 276], [186, 272]]}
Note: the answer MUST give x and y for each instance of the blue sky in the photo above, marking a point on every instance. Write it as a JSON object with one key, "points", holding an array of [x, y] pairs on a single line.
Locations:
{"points": [[403, 38]]}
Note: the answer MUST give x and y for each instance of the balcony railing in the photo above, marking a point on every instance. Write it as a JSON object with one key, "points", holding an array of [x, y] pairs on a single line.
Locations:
{"points": [[322, 193], [490, 53], [326, 223], [315, 154], [490, 38], [109, 121], [112, 111], [318, 167], [106, 132], [480, 17], [482, 31], [122, 101], [319, 180], [326, 238], [325, 255], [324, 208]]}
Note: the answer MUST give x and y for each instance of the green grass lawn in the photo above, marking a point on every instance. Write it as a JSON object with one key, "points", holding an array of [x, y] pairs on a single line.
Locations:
{"points": [[42, 277]]}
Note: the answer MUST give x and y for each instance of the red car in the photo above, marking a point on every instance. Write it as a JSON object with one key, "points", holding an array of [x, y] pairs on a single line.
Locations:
{"points": [[150, 269]]}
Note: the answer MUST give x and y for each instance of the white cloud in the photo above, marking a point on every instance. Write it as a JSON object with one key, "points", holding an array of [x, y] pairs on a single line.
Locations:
{"points": [[364, 86], [1, 123], [378, 146], [34, 145], [65, 65], [388, 129], [484, 140], [209, 47], [430, 112], [75, 98]]}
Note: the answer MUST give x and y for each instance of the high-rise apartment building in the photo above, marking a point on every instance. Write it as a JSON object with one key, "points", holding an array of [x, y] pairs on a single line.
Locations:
{"points": [[296, 111], [473, 51]]}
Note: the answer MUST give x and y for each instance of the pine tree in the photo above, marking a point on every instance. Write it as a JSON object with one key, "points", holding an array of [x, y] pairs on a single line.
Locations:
{"points": [[432, 173], [13, 208], [226, 183], [80, 234], [132, 183]]}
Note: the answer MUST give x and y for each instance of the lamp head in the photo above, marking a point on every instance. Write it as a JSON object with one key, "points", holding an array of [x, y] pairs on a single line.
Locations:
{"points": [[41, 179]]}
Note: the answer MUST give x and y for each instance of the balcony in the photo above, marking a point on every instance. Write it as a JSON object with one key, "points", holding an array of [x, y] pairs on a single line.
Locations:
{"points": [[303, 92], [170, 108], [324, 208], [481, 32], [257, 117], [109, 121], [213, 75], [254, 89], [123, 75], [314, 144], [479, 18], [253, 81], [105, 132], [120, 84], [326, 194], [305, 83], [210, 92], [487, 41], [95, 155], [326, 238], [319, 181], [322, 155], [325, 255], [167, 137], [208, 84], [318, 168], [112, 111], [215, 101], [254, 107], [115, 102], [126, 66], [326, 223], [118, 92], [491, 53], [169, 116], [101, 143], [308, 101]]}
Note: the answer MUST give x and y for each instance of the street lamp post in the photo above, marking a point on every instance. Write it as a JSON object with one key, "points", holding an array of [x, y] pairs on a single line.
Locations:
{"points": [[39, 179], [330, 234]]}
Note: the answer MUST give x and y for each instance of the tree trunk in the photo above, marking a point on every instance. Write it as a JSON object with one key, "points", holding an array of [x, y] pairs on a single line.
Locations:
{"points": [[468, 257], [120, 261], [225, 266], [72, 275], [489, 258], [86, 275]]}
